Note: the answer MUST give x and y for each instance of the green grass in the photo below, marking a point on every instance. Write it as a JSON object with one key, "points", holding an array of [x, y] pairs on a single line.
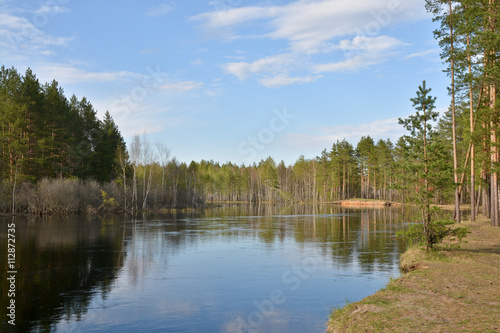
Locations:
{"points": [[449, 289]]}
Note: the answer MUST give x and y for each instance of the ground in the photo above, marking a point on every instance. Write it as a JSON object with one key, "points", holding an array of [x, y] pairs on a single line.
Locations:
{"points": [[455, 289]]}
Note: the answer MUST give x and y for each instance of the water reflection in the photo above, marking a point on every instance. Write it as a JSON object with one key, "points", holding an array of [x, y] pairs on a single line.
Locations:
{"points": [[199, 272], [62, 263]]}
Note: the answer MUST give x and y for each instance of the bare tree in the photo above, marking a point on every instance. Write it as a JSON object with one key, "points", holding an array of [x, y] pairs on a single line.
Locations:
{"points": [[122, 162], [163, 156], [147, 163], [135, 152]]}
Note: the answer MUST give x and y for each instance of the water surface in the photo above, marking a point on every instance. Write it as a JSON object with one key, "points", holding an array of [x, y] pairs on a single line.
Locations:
{"points": [[237, 268]]}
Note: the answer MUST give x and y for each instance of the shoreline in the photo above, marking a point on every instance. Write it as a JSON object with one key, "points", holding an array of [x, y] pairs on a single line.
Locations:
{"points": [[367, 203], [104, 211], [356, 202], [454, 289]]}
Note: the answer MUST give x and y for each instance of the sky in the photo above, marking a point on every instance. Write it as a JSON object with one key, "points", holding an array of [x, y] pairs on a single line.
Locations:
{"points": [[234, 80]]}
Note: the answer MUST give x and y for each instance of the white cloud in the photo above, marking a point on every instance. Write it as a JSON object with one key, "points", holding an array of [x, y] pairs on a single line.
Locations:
{"points": [[346, 65], [369, 44], [360, 52], [380, 129], [271, 72], [311, 27], [141, 120], [21, 38], [421, 54], [64, 73], [234, 16], [279, 81], [309, 24], [197, 62], [159, 10], [51, 10], [183, 86], [273, 64], [15, 22]]}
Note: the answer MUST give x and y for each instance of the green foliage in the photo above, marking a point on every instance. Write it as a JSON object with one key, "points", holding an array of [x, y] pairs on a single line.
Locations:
{"points": [[438, 230], [425, 158], [42, 134], [107, 201]]}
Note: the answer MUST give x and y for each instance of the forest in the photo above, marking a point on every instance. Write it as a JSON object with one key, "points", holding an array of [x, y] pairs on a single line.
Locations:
{"points": [[58, 157]]}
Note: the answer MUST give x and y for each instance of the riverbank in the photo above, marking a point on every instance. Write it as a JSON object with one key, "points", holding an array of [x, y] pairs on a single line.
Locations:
{"points": [[367, 203], [451, 290]]}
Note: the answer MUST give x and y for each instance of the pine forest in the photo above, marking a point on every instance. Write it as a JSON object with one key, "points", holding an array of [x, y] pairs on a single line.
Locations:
{"points": [[57, 156]]}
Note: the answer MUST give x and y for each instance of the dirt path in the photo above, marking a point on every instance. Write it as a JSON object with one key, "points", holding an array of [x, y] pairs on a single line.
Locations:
{"points": [[456, 289]]}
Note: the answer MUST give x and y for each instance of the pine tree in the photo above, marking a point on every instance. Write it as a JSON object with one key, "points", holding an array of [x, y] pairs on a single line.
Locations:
{"points": [[425, 157]]}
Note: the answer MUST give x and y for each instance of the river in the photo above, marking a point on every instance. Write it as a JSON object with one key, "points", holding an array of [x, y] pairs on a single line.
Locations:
{"points": [[236, 268]]}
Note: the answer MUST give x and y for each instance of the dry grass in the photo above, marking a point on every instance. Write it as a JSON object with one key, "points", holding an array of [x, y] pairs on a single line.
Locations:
{"points": [[454, 289]]}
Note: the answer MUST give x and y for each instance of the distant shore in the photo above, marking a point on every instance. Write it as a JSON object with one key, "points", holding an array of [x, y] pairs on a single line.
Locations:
{"points": [[356, 202], [367, 202], [454, 289]]}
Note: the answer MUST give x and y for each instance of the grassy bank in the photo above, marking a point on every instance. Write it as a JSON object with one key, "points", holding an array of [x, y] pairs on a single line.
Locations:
{"points": [[454, 289]]}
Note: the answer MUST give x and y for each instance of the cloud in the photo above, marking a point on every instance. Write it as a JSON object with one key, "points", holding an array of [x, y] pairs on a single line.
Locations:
{"points": [[274, 71], [142, 119], [421, 54], [310, 28], [309, 24], [360, 52], [271, 72], [160, 10], [273, 64], [64, 73], [51, 10], [346, 65], [197, 62], [183, 86], [380, 129], [279, 81], [20, 38], [369, 44], [233, 17]]}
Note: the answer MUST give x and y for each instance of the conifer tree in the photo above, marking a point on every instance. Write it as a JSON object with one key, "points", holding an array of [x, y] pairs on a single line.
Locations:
{"points": [[425, 158]]}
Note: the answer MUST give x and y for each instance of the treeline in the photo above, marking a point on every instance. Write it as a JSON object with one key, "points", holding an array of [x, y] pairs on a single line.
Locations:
{"points": [[370, 170], [342, 172], [46, 139], [56, 156], [43, 134]]}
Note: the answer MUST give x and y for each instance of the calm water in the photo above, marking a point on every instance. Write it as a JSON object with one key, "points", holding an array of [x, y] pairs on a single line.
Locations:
{"points": [[233, 269]]}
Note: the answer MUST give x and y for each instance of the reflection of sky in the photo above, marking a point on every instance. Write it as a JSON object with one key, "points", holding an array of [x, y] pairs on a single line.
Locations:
{"points": [[211, 275]]}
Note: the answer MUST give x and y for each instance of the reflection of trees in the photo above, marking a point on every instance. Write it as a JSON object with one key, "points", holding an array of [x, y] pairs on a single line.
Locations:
{"points": [[347, 235], [362, 235], [61, 265]]}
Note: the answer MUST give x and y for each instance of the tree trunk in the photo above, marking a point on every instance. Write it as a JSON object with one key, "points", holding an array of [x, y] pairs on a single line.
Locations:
{"points": [[455, 157], [472, 125]]}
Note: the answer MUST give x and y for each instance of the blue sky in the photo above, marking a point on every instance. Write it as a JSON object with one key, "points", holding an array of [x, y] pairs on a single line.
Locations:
{"points": [[233, 80]]}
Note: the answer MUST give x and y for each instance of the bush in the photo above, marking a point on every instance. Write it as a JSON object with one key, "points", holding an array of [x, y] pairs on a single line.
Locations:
{"points": [[60, 196], [415, 235]]}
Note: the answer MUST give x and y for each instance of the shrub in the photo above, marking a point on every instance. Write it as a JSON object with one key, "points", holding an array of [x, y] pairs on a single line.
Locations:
{"points": [[415, 235]]}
